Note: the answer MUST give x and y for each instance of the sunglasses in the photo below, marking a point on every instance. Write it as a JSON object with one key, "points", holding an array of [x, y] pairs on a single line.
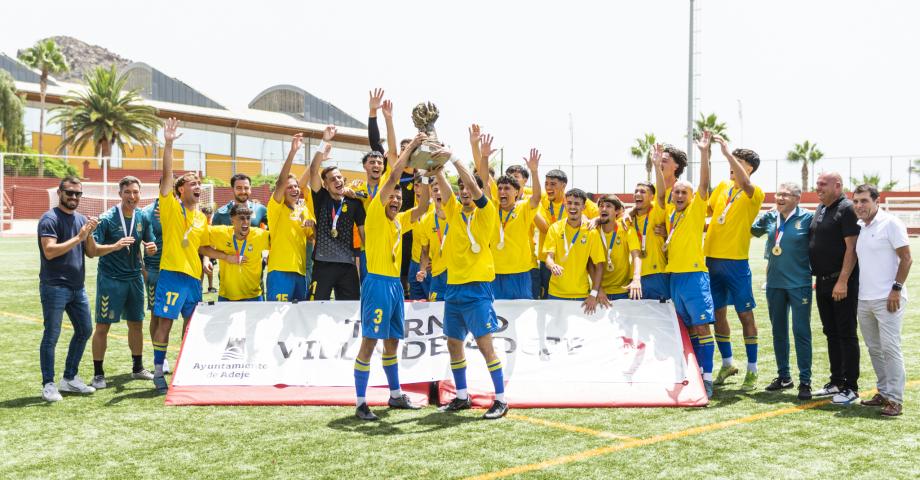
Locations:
{"points": [[72, 193]]}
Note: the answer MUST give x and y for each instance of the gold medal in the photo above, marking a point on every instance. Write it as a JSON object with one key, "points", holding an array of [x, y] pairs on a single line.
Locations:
{"points": [[475, 248], [777, 250], [722, 220], [609, 266], [642, 253], [334, 233], [185, 242]]}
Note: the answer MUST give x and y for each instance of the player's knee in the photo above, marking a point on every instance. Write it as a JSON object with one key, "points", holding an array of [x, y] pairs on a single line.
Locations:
{"points": [[455, 348]]}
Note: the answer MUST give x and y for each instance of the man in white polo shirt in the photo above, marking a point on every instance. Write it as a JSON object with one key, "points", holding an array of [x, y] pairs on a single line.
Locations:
{"points": [[883, 252]]}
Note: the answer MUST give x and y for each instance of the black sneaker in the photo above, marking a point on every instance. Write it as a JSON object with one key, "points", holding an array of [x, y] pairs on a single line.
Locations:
{"points": [[496, 411], [402, 402], [804, 391], [365, 413], [456, 405], [780, 384]]}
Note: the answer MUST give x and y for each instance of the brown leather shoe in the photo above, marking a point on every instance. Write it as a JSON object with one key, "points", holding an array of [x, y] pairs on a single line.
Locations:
{"points": [[891, 409], [877, 400]]}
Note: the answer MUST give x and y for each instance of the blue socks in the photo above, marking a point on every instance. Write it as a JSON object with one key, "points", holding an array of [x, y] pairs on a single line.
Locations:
{"points": [[159, 356], [362, 374], [750, 347], [707, 351], [725, 348], [458, 368], [391, 368], [498, 380]]}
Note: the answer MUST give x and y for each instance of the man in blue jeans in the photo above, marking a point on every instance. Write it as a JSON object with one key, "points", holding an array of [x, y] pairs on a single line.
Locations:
{"points": [[788, 284], [64, 236]]}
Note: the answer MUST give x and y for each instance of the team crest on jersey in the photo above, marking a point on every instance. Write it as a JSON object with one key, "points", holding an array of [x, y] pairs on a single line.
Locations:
{"points": [[798, 225], [804, 300], [619, 242], [584, 241], [702, 316], [344, 208]]}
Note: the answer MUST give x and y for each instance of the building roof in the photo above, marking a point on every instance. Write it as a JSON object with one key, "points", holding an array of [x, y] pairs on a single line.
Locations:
{"points": [[19, 71], [153, 84], [303, 105]]}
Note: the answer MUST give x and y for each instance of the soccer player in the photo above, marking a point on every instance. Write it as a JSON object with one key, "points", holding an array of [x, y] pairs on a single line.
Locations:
{"points": [[382, 312], [334, 266], [734, 204], [242, 190], [239, 250], [470, 272], [575, 255], [152, 267], [184, 230], [683, 248], [642, 220], [622, 277], [673, 164], [419, 289], [290, 222], [519, 173], [512, 241], [432, 263], [123, 233]]}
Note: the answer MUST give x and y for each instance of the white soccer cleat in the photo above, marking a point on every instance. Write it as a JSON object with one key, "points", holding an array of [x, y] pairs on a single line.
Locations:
{"points": [[50, 393], [98, 382], [75, 385]]}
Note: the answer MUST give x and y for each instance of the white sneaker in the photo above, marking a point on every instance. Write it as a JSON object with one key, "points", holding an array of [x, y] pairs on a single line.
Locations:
{"points": [[142, 375], [845, 397], [98, 382], [50, 393], [166, 368], [75, 386]]}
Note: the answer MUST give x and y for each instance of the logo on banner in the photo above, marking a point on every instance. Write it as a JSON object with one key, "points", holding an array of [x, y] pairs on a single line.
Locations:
{"points": [[235, 349]]}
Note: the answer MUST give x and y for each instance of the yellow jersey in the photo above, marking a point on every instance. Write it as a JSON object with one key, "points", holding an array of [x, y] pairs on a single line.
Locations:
{"points": [[418, 232], [582, 245], [729, 234], [553, 211], [685, 250], [384, 247], [240, 282], [288, 238], [643, 233], [618, 246], [179, 224], [463, 264], [434, 235], [512, 241]]}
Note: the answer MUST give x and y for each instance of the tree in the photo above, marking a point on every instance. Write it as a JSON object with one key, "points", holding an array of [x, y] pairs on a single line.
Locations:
{"points": [[49, 60], [643, 150], [709, 123], [105, 115], [873, 179], [12, 109], [807, 153]]}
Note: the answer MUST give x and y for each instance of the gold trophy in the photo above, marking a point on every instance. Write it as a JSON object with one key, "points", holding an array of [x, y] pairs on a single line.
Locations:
{"points": [[422, 158]]}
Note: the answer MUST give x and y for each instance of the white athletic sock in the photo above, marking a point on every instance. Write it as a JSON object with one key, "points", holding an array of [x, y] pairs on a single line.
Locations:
{"points": [[752, 367], [461, 394], [396, 393], [727, 362], [359, 401], [707, 376], [500, 397]]}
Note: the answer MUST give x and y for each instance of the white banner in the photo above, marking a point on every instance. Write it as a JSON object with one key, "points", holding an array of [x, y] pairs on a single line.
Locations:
{"points": [[315, 343]]}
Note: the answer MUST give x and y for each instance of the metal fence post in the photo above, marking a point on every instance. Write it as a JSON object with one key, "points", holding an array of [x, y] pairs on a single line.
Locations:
{"points": [[3, 195], [105, 182]]}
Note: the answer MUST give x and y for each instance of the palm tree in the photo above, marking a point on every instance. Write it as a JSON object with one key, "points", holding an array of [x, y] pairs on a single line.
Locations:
{"points": [[709, 123], [47, 58], [874, 179], [805, 152], [105, 114], [12, 109], [643, 150]]}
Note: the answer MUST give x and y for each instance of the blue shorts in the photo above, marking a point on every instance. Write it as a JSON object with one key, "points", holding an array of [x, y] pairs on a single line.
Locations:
{"points": [[618, 296], [553, 297], [176, 293], [253, 299], [285, 286], [382, 311], [417, 290], [656, 286], [535, 282], [152, 276], [692, 298], [438, 287], [731, 284], [513, 286], [468, 309], [119, 298]]}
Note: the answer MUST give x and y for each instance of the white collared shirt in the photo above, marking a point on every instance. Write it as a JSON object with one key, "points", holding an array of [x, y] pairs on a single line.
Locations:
{"points": [[875, 250]]}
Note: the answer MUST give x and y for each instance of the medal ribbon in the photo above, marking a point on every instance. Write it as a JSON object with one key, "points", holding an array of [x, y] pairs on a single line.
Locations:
{"points": [[552, 211], [781, 226], [565, 240], [731, 200], [337, 213], [616, 229], [502, 224], [240, 251], [673, 226], [185, 221], [469, 233]]}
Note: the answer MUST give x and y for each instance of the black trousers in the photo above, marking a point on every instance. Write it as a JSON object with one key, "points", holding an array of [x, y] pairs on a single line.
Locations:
{"points": [[341, 278], [838, 320]]}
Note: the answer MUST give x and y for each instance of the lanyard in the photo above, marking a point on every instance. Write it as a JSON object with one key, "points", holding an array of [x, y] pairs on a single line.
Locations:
{"points": [[552, 210], [673, 226], [189, 227], [469, 233], [336, 213], [565, 239], [502, 224], [437, 228], [240, 251], [121, 216], [728, 205], [642, 236], [616, 229], [781, 225], [374, 193]]}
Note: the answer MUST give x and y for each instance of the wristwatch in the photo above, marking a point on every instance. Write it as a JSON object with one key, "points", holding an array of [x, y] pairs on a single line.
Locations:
{"points": [[897, 286]]}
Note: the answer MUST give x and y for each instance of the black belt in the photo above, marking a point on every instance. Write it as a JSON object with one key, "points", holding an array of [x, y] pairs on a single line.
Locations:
{"points": [[832, 276]]}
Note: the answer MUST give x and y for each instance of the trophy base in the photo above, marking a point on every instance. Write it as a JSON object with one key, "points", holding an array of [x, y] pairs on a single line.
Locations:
{"points": [[422, 157]]}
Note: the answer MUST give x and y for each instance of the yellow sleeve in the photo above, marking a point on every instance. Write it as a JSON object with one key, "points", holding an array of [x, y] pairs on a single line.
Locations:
{"points": [[598, 255], [549, 245], [632, 239]]}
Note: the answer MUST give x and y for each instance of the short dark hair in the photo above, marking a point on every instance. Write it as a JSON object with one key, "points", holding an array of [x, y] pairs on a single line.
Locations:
{"points": [[326, 170], [207, 210], [749, 156], [478, 181], [868, 187], [239, 209], [648, 185], [405, 141], [237, 177], [69, 179], [520, 170], [508, 180], [128, 180], [371, 154], [557, 175], [185, 177], [680, 158], [611, 199], [577, 193]]}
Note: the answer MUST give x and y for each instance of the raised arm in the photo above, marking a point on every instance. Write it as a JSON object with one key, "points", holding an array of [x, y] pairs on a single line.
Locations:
{"points": [[475, 139], [169, 136], [465, 176], [703, 188], [316, 182], [392, 180], [373, 131], [281, 183], [533, 165], [444, 187], [741, 175], [392, 151], [424, 198], [482, 167], [657, 152]]}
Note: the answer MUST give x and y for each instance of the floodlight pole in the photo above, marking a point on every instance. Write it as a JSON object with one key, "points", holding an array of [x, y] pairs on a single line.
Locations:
{"points": [[690, 101]]}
